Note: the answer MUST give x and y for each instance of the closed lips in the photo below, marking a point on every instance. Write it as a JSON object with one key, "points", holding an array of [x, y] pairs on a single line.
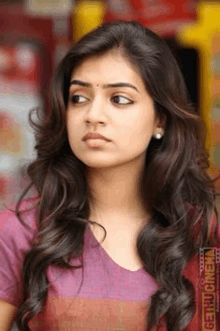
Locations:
{"points": [[91, 135]]}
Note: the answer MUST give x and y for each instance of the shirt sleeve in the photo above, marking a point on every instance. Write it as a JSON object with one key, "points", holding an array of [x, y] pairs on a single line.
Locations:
{"points": [[15, 241]]}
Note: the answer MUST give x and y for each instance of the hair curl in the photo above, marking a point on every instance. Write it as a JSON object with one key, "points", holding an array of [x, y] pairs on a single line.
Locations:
{"points": [[175, 186]]}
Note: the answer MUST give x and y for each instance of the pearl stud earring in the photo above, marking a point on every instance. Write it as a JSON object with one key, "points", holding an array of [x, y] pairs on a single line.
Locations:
{"points": [[158, 134]]}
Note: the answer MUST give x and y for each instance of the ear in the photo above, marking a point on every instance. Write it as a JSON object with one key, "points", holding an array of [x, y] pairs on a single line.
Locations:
{"points": [[160, 121]]}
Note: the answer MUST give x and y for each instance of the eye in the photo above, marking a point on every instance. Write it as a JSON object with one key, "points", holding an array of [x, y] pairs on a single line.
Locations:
{"points": [[77, 99], [120, 100]]}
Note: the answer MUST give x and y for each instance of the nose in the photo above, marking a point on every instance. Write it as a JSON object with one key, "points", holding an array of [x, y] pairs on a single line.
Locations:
{"points": [[96, 112]]}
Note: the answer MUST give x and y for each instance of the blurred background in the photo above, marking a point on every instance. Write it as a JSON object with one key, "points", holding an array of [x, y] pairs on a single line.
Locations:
{"points": [[36, 34]]}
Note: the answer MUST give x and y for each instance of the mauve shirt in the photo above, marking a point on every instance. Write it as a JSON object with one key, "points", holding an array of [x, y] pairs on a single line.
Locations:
{"points": [[105, 296]]}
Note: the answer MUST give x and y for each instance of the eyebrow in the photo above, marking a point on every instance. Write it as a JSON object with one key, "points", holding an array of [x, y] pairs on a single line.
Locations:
{"points": [[81, 83]]}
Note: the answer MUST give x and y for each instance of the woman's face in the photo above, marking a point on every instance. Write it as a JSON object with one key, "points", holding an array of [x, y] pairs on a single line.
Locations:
{"points": [[107, 96]]}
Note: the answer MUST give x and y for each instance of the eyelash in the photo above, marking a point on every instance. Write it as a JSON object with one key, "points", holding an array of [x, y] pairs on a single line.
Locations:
{"points": [[116, 96]]}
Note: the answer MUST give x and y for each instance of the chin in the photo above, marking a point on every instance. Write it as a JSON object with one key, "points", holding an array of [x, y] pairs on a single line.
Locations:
{"points": [[99, 162], [99, 165]]}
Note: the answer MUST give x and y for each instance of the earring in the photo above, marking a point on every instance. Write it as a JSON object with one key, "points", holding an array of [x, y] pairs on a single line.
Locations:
{"points": [[159, 133]]}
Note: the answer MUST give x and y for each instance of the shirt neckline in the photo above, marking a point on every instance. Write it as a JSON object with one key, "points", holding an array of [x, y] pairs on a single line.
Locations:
{"points": [[108, 256]]}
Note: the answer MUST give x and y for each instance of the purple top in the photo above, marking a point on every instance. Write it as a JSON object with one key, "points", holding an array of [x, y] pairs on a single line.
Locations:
{"points": [[111, 297]]}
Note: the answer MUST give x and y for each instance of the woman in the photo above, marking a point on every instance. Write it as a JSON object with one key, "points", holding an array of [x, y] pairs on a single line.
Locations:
{"points": [[121, 150]]}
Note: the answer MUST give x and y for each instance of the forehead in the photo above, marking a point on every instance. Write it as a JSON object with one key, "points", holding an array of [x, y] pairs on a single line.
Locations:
{"points": [[108, 68]]}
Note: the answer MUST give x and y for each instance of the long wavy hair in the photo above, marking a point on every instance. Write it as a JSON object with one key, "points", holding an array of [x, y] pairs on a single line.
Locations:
{"points": [[175, 186]]}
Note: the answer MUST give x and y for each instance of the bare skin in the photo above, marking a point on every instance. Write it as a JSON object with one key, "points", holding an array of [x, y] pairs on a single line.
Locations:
{"points": [[126, 116], [120, 242], [7, 315]]}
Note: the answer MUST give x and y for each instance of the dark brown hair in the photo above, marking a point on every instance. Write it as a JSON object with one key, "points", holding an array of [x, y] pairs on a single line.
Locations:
{"points": [[175, 186]]}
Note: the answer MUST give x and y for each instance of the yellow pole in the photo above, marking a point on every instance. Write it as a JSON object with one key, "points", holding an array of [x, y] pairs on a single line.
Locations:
{"points": [[205, 37], [87, 16]]}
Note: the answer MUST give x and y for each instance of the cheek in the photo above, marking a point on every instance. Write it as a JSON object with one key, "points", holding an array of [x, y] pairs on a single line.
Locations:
{"points": [[142, 128], [72, 134], [73, 126]]}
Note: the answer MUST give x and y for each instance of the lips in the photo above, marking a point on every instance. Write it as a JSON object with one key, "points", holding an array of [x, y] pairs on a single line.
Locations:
{"points": [[93, 135]]}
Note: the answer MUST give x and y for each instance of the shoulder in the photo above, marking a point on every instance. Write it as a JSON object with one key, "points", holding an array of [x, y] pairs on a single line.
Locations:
{"points": [[193, 268], [201, 271], [15, 241], [12, 231], [27, 208]]}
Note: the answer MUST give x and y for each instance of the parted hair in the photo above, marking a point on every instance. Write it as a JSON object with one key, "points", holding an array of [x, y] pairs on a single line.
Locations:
{"points": [[175, 186]]}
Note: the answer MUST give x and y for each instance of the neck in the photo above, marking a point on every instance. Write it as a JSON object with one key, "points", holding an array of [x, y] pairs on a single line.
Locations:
{"points": [[115, 193]]}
